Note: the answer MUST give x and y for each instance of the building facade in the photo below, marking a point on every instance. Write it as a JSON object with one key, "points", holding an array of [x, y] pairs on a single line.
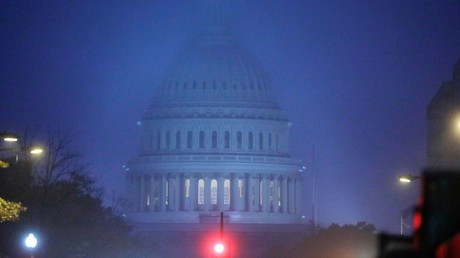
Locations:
{"points": [[215, 140], [443, 125]]}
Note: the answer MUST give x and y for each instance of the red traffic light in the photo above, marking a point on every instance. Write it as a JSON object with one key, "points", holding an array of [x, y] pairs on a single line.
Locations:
{"points": [[219, 248]]}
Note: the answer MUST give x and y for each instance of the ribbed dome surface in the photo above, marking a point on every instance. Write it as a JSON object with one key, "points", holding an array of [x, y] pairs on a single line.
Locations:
{"points": [[216, 71]]}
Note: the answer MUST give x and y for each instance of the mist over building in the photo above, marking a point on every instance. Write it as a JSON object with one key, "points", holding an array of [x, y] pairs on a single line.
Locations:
{"points": [[215, 140]]}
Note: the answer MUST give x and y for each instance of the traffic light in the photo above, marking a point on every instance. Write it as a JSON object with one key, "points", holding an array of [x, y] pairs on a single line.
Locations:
{"points": [[221, 248]]}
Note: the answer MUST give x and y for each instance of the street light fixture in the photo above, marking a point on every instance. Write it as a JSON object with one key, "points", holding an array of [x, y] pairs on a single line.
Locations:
{"points": [[9, 137], [16, 148], [408, 178], [35, 150], [31, 242]]}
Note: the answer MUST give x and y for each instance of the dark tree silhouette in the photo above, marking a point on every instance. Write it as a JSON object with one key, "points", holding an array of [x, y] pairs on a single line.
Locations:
{"points": [[64, 208]]}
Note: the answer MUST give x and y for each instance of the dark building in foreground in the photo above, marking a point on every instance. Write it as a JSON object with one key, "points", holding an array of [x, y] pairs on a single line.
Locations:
{"points": [[443, 125], [215, 140]]}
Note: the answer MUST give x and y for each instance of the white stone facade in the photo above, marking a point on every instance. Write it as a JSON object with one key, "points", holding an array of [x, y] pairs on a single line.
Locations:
{"points": [[214, 139]]}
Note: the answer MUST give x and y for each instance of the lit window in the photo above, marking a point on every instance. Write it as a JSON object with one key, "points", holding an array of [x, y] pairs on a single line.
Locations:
{"points": [[241, 187], [272, 192], [187, 188], [261, 192], [200, 191], [279, 196], [214, 192], [227, 192], [166, 192]]}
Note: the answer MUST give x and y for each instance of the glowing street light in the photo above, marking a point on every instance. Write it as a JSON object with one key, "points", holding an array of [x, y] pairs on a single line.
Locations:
{"points": [[31, 242], [9, 137], [36, 150], [408, 178]]}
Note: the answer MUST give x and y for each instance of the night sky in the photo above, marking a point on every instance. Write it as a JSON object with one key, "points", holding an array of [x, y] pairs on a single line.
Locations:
{"points": [[354, 78]]}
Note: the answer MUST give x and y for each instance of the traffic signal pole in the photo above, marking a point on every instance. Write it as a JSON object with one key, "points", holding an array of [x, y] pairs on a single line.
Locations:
{"points": [[221, 225]]}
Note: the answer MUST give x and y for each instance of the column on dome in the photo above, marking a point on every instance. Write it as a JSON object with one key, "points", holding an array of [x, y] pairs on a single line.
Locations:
{"points": [[207, 192], [220, 193], [152, 193], [141, 194], [284, 194], [257, 193], [265, 193], [298, 196], [184, 192], [193, 193], [178, 182], [162, 194], [234, 193], [250, 192], [240, 193], [133, 191], [276, 196], [291, 195]]}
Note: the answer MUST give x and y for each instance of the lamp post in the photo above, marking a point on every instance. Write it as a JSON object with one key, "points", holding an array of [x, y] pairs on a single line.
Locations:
{"points": [[31, 242], [10, 138], [406, 179]]}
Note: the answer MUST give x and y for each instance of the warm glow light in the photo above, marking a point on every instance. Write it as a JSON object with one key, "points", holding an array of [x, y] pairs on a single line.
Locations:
{"points": [[404, 179], [10, 139], [219, 248], [36, 151]]}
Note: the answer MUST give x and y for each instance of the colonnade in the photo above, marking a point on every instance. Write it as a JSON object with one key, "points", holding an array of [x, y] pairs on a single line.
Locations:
{"points": [[159, 192]]}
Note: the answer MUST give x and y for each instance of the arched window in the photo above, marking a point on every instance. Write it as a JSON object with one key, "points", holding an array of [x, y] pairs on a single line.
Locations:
{"points": [[261, 192], [239, 140], [279, 196], [200, 192], [201, 139], [189, 139], [272, 194], [250, 141], [214, 139], [178, 140], [261, 141], [213, 192], [227, 139], [227, 192], [166, 192]]}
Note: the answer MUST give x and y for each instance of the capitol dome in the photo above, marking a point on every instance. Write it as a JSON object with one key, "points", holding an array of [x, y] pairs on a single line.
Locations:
{"points": [[215, 140]]}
